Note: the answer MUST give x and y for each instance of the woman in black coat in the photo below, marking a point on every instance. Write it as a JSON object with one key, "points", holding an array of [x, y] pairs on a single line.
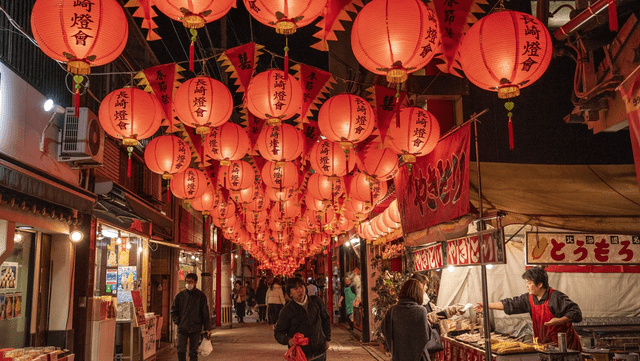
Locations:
{"points": [[261, 300]]}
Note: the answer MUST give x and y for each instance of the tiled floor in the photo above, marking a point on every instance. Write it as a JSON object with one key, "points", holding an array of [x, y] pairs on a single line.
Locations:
{"points": [[254, 341]]}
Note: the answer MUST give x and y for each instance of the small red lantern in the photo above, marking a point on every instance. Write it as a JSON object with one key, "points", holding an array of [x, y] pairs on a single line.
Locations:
{"points": [[227, 142], [280, 174], [224, 210], [280, 143], [360, 208], [347, 119], [417, 135], [285, 15], [314, 204], [259, 203], [190, 184], [238, 175], [260, 216], [281, 195], [224, 222], [273, 96], [167, 155], [393, 212], [381, 164], [367, 189], [205, 203], [395, 37], [247, 195], [202, 103], [325, 188], [329, 159]]}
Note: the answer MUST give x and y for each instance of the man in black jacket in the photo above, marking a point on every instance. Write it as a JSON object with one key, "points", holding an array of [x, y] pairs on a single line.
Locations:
{"points": [[190, 311], [308, 316]]}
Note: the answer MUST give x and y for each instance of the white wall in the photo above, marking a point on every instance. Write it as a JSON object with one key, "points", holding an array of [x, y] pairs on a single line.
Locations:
{"points": [[22, 120], [62, 257]]}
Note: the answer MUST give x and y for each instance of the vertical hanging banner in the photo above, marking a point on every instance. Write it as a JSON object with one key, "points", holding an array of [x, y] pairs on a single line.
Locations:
{"points": [[334, 12], [314, 82], [241, 63], [162, 81], [311, 133], [437, 189], [631, 98], [384, 103], [146, 12], [254, 126]]}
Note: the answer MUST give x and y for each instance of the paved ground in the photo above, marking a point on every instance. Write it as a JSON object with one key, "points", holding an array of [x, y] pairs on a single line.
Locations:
{"points": [[254, 341]]}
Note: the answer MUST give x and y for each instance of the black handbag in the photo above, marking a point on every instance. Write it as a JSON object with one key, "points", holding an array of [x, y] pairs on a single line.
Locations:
{"points": [[435, 341]]}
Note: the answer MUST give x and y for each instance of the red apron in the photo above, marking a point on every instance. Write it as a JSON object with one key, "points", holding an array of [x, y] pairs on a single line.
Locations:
{"points": [[547, 334]]}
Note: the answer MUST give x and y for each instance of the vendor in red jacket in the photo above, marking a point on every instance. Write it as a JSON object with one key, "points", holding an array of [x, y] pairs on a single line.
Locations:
{"points": [[551, 311]]}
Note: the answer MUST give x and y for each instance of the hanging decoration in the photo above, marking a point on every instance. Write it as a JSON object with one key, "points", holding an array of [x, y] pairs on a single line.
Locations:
{"points": [[162, 81], [238, 175], [190, 184], [280, 143], [146, 13], [272, 97], [205, 203], [226, 143], [367, 189], [167, 155], [387, 103], [285, 15], [315, 83], [279, 175], [328, 158], [335, 13], [347, 119], [324, 188], [203, 102], [378, 163], [241, 63], [417, 134]]}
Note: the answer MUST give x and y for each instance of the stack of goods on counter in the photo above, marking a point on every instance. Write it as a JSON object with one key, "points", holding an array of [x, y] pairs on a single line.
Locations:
{"points": [[48, 353], [500, 345]]}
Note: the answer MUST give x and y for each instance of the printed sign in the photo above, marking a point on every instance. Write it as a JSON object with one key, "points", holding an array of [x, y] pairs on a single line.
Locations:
{"points": [[137, 307], [126, 279], [428, 258], [465, 251], [582, 248], [9, 276], [112, 277]]}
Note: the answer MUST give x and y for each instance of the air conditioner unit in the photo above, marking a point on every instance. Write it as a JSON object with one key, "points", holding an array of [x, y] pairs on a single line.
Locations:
{"points": [[81, 139]]}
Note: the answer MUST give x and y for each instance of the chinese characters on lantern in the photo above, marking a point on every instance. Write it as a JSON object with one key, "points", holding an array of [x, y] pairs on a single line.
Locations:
{"points": [[432, 36], [280, 95], [420, 132], [532, 39], [200, 101], [362, 118], [82, 21], [428, 258], [121, 113], [580, 248], [466, 250], [213, 140]]}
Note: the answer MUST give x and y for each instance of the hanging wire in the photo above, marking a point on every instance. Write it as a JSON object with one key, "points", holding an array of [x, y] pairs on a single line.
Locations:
{"points": [[180, 40]]}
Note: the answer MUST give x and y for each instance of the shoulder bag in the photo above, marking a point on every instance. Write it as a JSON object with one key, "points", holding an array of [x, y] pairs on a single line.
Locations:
{"points": [[435, 341]]}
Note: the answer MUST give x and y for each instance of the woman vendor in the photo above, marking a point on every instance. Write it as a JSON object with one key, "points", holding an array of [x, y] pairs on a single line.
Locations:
{"points": [[551, 311]]}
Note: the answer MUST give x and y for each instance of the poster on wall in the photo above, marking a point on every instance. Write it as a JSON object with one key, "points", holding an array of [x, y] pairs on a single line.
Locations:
{"points": [[112, 254], [123, 253], [111, 280], [137, 307], [9, 276], [126, 280], [17, 305], [8, 308]]}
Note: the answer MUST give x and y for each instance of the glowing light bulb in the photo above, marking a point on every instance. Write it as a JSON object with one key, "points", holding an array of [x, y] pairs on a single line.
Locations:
{"points": [[128, 245], [451, 268], [489, 266], [118, 241]]}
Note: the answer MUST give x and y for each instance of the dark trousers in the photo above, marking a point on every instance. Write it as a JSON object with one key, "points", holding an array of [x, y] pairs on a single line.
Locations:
{"points": [[240, 310], [194, 342], [274, 312], [262, 313]]}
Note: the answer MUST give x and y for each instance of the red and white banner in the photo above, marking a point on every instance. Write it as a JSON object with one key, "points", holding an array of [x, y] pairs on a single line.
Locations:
{"points": [[437, 189], [631, 97], [465, 251], [428, 258], [582, 248]]}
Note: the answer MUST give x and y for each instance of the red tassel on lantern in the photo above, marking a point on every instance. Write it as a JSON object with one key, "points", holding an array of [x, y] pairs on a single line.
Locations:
{"points": [[76, 104], [129, 166], [191, 55], [510, 134], [286, 59], [613, 15], [168, 191]]}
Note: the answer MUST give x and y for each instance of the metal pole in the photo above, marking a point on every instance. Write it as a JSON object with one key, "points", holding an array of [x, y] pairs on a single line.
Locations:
{"points": [[329, 277], [485, 292]]}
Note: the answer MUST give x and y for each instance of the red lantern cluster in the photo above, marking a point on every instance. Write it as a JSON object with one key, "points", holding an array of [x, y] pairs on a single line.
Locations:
{"points": [[273, 96], [202, 103], [347, 119], [285, 15]]}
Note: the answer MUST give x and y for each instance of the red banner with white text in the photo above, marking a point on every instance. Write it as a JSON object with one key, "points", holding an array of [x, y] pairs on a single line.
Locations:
{"points": [[437, 188]]}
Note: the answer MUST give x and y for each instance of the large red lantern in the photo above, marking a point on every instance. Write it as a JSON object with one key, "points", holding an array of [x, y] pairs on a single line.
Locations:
{"points": [[259, 203], [329, 159], [281, 195], [206, 202], [285, 15], [395, 37], [274, 97], [130, 114], [279, 174], [360, 208], [393, 212], [167, 155], [202, 103], [314, 204], [280, 143], [225, 222], [325, 188], [227, 142], [417, 135], [347, 119], [247, 195], [381, 164], [367, 189], [190, 184], [223, 210], [238, 175]]}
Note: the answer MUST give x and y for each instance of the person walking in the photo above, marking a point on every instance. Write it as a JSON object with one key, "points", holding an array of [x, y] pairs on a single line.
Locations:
{"points": [[251, 296], [261, 300], [349, 296], [241, 297], [275, 301], [308, 316], [406, 326], [190, 312], [312, 289]]}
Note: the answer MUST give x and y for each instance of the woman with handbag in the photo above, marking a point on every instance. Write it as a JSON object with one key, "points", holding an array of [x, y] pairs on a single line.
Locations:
{"points": [[405, 326]]}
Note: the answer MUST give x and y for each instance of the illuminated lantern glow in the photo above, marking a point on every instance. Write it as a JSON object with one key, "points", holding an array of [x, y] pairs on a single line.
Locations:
{"points": [[329, 159], [314, 204], [190, 184], [197, 12], [247, 195], [256, 227], [224, 210], [417, 135], [227, 142], [325, 188], [347, 119], [393, 211], [224, 222], [281, 195], [277, 226], [130, 114], [259, 203], [280, 174], [360, 208], [285, 15], [203, 102], [388, 222], [252, 216], [280, 143], [367, 189], [167, 155], [206, 202], [273, 97], [238, 175], [345, 225], [286, 211], [395, 37], [80, 33], [381, 164], [506, 51]]}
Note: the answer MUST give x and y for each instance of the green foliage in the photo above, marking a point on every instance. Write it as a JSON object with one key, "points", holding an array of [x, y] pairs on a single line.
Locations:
{"points": [[387, 287]]}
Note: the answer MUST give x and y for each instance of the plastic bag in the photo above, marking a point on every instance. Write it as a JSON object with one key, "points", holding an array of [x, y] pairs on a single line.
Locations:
{"points": [[295, 352], [205, 347]]}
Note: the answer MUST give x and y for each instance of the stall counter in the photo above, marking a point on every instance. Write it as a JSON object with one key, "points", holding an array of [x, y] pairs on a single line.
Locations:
{"points": [[455, 350]]}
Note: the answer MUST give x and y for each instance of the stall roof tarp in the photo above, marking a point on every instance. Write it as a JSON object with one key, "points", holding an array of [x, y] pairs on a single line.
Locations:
{"points": [[588, 198]]}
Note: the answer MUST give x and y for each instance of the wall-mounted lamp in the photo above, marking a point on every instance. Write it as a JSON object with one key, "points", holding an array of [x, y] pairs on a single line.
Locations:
{"points": [[17, 238], [49, 105], [118, 240], [76, 236]]}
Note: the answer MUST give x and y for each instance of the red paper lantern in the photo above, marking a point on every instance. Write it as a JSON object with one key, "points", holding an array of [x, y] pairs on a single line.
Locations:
{"points": [[167, 155], [190, 184], [285, 15], [347, 119], [280, 195], [325, 188], [388, 222], [256, 227], [247, 195], [260, 216], [360, 208], [280, 143], [224, 222], [130, 114], [206, 202], [280, 174], [80, 33], [238, 175], [202, 103], [259, 203], [393, 212], [381, 164], [506, 51], [224, 210], [274, 97], [395, 37], [194, 13], [329, 159], [314, 204], [367, 189], [227, 142], [417, 135]]}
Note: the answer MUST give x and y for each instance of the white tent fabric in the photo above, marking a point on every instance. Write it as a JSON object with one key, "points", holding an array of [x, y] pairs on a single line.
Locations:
{"points": [[597, 294]]}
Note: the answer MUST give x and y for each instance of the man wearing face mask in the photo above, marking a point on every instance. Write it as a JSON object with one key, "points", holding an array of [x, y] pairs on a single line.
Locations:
{"points": [[190, 312]]}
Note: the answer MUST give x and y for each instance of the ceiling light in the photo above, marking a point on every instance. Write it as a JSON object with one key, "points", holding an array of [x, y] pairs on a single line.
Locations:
{"points": [[76, 236], [25, 228], [129, 245]]}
